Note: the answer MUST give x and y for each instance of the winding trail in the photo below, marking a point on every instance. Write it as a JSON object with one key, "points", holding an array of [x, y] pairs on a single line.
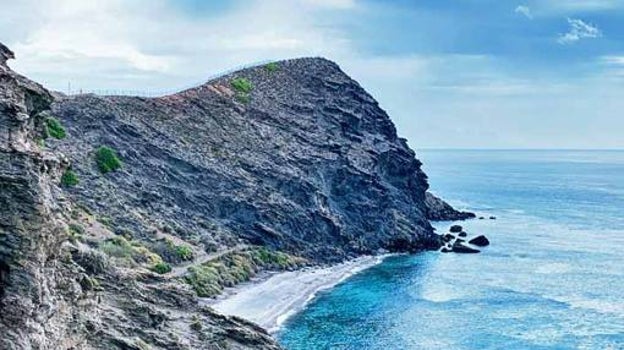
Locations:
{"points": [[179, 271]]}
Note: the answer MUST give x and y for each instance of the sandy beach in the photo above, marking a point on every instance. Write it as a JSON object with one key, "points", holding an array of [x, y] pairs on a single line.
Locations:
{"points": [[270, 301]]}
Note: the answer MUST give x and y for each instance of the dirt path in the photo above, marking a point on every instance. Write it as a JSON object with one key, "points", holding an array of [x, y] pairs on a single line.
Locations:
{"points": [[179, 271]]}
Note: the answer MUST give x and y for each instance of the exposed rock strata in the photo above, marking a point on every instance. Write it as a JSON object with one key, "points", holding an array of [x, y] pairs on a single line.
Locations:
{"points": [[305, 165], [439, 210], [58, 294]]}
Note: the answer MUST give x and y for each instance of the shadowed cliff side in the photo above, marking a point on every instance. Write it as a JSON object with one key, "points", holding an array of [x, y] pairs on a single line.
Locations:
{"points": [[300, 159]]}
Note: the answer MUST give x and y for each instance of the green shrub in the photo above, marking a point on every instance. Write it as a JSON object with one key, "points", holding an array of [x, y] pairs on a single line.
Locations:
{"points": [[55, 129], [69, 178], [196, 324], [161, 268], [107, 159], [271, 67], [243, 98], [117, 247], [242, 85], [205, 280], [76, 229], [40, 142], [184, 252], [106, 221]]}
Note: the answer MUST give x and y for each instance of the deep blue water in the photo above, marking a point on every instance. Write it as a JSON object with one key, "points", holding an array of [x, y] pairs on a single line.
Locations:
{"points": [[552, 279]]}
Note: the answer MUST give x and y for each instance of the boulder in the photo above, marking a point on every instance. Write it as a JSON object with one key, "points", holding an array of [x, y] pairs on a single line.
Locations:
{"points": [[455, 229], [462, 234], [446, 250], [448, 237], [492, 217], [480, 241], [463, 249], [481, 218]]}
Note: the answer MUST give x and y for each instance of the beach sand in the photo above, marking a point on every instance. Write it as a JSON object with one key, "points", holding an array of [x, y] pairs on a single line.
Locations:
{"points": [[268, 302]]}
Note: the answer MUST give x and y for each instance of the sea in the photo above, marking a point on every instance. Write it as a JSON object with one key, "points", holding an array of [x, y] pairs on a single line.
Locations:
{"points": [[552, 278]]}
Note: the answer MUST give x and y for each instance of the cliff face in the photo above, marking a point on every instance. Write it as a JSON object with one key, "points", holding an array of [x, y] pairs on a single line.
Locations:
{"points": [[121, 214], [60, 293], [305, 162]]}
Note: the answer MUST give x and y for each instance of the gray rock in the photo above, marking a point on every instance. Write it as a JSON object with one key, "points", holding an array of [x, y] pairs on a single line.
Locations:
{"points": [[456, 229], [480, 241], [439, 210], [459, 247]]}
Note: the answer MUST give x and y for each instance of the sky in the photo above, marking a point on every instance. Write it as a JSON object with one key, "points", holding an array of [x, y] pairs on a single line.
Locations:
{"points": [[451, 74]]}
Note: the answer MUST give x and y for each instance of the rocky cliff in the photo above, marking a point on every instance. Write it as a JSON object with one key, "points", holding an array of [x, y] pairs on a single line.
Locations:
{"points": [[120, 213]]}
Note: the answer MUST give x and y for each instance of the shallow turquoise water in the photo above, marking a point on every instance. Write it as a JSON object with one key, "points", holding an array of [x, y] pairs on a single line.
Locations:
{"points": [[553, 278]]}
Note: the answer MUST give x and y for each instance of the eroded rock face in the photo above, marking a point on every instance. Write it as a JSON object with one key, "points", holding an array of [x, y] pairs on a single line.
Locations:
{"points": [[62, 294], [306, 162], [39, 295], [439, 210]]}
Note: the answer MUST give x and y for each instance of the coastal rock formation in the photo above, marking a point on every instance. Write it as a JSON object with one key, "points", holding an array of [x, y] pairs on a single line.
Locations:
{"points": [[298, 158], [453, 244], [59, 293], [121, 214], [480, 241], [439, 210]]}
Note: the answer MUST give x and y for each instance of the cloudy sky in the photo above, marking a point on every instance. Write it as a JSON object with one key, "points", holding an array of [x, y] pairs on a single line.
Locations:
{"points": [[451, 74]]}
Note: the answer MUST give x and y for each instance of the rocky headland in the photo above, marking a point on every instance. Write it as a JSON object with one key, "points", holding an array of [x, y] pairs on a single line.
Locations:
{"points": [[120, 213]]}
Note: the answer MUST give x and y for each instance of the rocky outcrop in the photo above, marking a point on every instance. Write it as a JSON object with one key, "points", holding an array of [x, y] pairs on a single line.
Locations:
{"points": [[118, 212], [304, 162], [480, 241], [439, 210], [59, 293]]}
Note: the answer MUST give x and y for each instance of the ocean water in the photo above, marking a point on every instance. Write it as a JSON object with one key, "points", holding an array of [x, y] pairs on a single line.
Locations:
{"points": [[553, 277]]}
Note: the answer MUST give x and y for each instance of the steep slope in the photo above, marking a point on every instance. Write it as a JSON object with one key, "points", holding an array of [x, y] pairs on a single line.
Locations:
{"points": [[304, 162], [58, 293]]}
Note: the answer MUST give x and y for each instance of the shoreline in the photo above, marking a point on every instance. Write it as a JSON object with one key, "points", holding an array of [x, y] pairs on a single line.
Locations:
{"points": [[270, 300]]}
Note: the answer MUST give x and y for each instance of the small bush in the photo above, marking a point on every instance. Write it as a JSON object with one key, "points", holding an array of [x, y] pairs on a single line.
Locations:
{"points": [[196, 324], [243, 98], [117, 247], [271, 67], [55, 129], [76, 229], [242, 85], [161, 268], [69, 178], [184, 252], [107, 159]]}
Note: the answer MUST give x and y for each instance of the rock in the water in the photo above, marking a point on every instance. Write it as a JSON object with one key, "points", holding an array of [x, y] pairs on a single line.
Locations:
{"points": [[480, 241], [481, 218], [463, 249], [448, 237], [446, 250], [492, 217], [462, 234], [456, 228]]}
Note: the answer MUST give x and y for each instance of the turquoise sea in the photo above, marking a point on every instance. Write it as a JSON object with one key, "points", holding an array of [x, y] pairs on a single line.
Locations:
{"points": [[553, 277]]}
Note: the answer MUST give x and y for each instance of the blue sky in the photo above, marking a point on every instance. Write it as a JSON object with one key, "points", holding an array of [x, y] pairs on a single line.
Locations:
{"points": [[451, 74]]}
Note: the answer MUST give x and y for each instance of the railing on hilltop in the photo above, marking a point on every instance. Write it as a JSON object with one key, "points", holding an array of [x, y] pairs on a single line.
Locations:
{"points": [[162, 92]]}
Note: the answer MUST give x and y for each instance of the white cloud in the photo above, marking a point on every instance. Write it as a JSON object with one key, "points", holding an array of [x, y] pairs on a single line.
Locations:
{"points": [[580, 5], [579, 30], [153, 44], [613, 60], [524, 10], [338, 4]]}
